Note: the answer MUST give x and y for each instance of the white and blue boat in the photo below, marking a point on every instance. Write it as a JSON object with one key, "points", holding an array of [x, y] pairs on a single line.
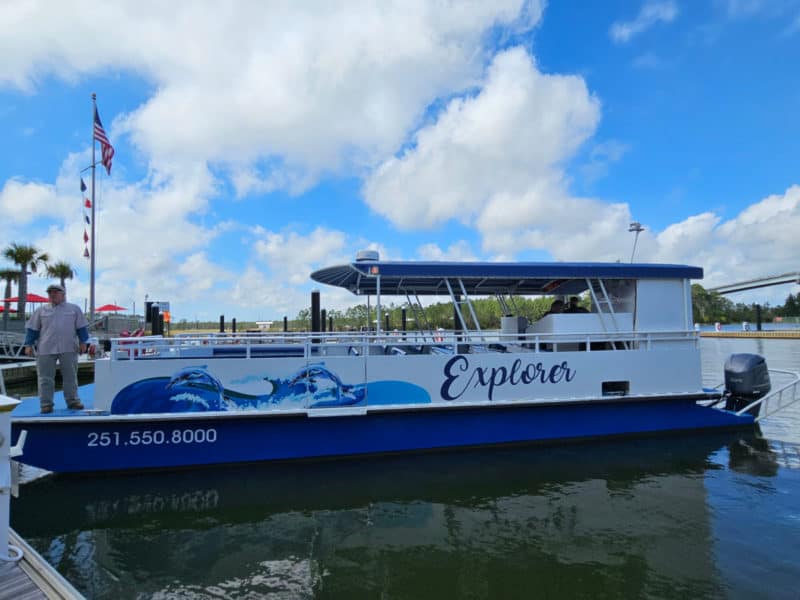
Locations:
{"points": [[629, 366]]}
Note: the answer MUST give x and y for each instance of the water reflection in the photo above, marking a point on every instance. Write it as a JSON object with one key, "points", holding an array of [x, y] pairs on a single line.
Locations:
{"points": [[753, 456], [627, 518]]}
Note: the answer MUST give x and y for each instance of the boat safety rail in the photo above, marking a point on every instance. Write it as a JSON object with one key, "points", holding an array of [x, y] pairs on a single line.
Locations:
{"points": [[11, 344], [777, 399], [305, 344]]}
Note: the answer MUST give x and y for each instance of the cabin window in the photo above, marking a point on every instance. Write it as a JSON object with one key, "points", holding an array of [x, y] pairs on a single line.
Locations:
{"points": [[616, 388], [661, 305]]}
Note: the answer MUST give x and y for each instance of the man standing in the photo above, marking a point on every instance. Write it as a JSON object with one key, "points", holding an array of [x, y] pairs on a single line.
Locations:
{"points": [[57, 326]]}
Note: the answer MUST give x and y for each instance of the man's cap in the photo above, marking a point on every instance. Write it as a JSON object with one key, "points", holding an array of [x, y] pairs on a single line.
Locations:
{"points": [[54, 287]]}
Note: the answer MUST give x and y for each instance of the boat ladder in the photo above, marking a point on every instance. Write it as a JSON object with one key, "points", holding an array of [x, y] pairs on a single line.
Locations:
{"points": [[420, 318], [461, 299], [602, 299]]}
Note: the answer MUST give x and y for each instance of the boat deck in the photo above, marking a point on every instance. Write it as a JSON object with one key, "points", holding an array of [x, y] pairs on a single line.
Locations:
{"points": [[29, 406]]}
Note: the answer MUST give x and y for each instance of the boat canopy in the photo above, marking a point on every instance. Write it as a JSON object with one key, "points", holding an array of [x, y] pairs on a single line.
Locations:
{"points": [[486, 278]]}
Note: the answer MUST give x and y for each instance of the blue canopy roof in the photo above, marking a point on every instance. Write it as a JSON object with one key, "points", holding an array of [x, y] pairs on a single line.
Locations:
{"points": [[525, 278]]}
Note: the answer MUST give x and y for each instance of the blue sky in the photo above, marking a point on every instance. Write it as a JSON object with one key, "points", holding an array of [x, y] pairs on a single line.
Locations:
{"points": [[256, 142]]}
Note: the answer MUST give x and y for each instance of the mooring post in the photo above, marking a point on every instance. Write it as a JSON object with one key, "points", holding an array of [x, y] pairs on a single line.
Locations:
{"points": [[315, 315], [6, 485]]}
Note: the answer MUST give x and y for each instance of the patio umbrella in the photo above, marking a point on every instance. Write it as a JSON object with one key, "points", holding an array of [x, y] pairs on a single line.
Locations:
{"points": [[32, 298], [2, 308], [109, 308]]}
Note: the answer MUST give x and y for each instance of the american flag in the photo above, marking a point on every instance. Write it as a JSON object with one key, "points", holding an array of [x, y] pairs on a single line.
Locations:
{"points": [[106, 148]]}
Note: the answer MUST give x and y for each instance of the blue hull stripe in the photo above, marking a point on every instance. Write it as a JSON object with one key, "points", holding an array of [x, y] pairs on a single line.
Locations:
{"points": [[108, 444]]}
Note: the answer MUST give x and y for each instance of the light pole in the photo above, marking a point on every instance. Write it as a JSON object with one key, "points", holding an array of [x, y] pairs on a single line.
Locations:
{"points": [[637, 227]]}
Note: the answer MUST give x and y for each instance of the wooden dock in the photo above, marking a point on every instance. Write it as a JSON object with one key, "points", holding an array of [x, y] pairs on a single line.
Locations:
{"points": [[784, 334], [20, 372], [32, 578]]}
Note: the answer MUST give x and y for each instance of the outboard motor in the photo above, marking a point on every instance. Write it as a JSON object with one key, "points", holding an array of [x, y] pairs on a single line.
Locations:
{"points": [[746, 380]]}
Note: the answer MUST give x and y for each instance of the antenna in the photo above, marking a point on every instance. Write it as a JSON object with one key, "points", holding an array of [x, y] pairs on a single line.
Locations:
{"points": [[637, 227]]}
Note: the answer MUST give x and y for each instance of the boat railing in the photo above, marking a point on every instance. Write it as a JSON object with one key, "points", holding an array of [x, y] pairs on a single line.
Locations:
{"points": [[315, 344], [778, 399], [11, 344]]}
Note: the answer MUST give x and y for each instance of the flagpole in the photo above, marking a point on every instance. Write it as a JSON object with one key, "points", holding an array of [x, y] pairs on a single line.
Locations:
{"points": [[91, 255]]}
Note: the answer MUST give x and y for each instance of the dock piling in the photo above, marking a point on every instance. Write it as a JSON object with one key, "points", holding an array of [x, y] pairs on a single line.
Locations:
{"points": [[8, 552]]}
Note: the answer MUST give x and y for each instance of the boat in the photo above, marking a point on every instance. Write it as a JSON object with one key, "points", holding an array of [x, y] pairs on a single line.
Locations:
{"points": [[630, 365]]}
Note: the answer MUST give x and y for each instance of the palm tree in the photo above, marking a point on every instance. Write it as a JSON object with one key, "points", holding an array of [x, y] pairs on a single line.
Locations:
{"points": [[26, 257], [9, 276], [63, 271]]}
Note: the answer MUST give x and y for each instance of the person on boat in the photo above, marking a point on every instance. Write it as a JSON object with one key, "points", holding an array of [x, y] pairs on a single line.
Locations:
{"points": [[57, 327], [574, 306], [556, 308]]}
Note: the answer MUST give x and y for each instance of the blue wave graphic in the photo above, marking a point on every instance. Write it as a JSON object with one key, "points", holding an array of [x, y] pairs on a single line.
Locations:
{"points": [[195, 389]]}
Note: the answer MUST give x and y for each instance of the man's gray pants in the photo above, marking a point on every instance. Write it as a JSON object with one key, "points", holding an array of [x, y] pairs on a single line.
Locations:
{"points": [[46, 365]]}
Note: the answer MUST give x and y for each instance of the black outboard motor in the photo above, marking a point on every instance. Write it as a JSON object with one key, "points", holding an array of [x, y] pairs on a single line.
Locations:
{"points": [[746, 380]]}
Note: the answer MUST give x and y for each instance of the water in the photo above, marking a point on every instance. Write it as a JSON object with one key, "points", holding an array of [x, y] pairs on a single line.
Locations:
{"points": [[702, 516]]}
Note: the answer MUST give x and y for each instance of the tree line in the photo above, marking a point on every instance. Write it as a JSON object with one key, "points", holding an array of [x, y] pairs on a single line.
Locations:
{"points": [[441, 314], [707, 307], [712, 307], [24, 258]]}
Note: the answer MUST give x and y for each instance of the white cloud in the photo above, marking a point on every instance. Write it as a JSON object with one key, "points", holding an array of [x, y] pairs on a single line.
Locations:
{"points": [[510, 137], [793, 27], [651, 13], [249, 84], [601, 157], [459, 250], [759, 241], [22, 202], [744, 8], [144, 233], [294, 255]]}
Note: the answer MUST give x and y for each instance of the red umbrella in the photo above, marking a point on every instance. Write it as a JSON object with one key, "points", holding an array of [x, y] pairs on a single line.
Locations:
{"points": [[2, 308], [109, 308], [32, 298]]}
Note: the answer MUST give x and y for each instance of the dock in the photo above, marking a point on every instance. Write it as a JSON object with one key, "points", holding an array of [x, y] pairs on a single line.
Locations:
{"points": [[24, 574], [32, 577], [785, 334], [25, 371]]}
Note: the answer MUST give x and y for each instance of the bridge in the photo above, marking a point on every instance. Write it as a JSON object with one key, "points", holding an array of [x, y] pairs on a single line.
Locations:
{"points": [[752, 284]]}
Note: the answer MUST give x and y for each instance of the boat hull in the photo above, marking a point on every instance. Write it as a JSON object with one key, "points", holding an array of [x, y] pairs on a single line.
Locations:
{"points": [[110, 443]]}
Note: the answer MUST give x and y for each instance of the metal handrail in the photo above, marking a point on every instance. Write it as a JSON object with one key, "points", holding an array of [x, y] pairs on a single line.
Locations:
{"points": [[790, 390], [11, 344], [187, 344]]}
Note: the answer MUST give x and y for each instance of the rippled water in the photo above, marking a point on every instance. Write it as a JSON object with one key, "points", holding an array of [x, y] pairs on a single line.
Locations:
{"points": [[702, 516]]}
